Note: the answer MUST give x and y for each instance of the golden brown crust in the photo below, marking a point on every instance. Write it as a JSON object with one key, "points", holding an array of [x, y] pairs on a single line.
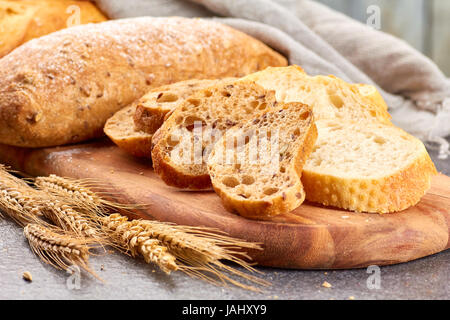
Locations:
{"points": [[390, 194], [291, 197], [119, 128], [61, 88], [28, 19], [154, 106]]}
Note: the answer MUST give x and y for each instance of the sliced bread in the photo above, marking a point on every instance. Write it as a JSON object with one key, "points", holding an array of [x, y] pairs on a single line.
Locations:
{"points": [[256, 166], [366, 167], [153, 107], [120, 129], [361, 161], [183, 143], [329, 97]]}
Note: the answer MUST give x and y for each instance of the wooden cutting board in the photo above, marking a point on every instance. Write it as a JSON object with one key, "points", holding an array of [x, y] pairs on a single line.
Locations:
{"points": [[311, 237]]}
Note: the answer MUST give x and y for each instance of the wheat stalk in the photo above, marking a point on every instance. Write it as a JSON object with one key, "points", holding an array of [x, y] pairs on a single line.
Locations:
{"points": [[197, 250], [193, 250], [18, 200], [69, 219], [59, 249], [137, 241], [77, 193], [25, 205]]}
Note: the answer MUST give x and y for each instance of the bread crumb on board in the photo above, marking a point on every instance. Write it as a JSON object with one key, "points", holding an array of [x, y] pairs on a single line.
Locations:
{"points": [[27, 276], [326, 285], [351, 298]]}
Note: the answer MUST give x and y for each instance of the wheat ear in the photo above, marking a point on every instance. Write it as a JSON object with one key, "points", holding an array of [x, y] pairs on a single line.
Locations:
{"points": [[18, 200], [198, 250], [57, 249], [78, 193], [136, 241], [69, 219], [25, 205]]}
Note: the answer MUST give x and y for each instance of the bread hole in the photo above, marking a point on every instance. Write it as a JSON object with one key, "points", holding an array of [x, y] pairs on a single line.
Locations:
{"points": [[194, 102], [207, 93], [172, 142], [254, 104], [379, 140], [282, 169], [167, 97], [336, 101], [296, 132], [248, 180], [270, 191], [262, 106], [179, 119], [373, 113], [191, 121], [230, 182], [226, 94], [305, 115]]}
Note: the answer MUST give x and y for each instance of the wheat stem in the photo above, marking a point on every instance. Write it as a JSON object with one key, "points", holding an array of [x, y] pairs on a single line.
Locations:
{"points": [[57, 249]]}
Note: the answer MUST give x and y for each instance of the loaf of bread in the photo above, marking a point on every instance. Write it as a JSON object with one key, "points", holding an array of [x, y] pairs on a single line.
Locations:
{"points": [[182, 145], [361, 161], [23, 20], [153, 107], [259, 175], [120, 129], [61, 88]]}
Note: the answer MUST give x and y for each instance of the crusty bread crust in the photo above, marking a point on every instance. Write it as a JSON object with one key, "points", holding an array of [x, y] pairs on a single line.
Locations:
{"points": [[61, 88], [27, 19], [391, 194], [120, 129], [153, 107]]}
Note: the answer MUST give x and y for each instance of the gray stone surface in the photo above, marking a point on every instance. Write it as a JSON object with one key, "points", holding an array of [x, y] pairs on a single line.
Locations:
{"points": [[126, 278]]}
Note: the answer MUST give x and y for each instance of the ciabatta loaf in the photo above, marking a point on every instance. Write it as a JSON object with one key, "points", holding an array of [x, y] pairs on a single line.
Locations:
{"points": [[120, 129], [153, 107], [61, 88], [256, 166], [361, 161], [183, 143]]}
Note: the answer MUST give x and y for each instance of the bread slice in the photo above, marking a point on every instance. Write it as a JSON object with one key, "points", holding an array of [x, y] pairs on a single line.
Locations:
{"points": [[361, 161], [183, 143], [329, 97], [366, 167], [153, 107], [256, 166], [120, 129]]}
